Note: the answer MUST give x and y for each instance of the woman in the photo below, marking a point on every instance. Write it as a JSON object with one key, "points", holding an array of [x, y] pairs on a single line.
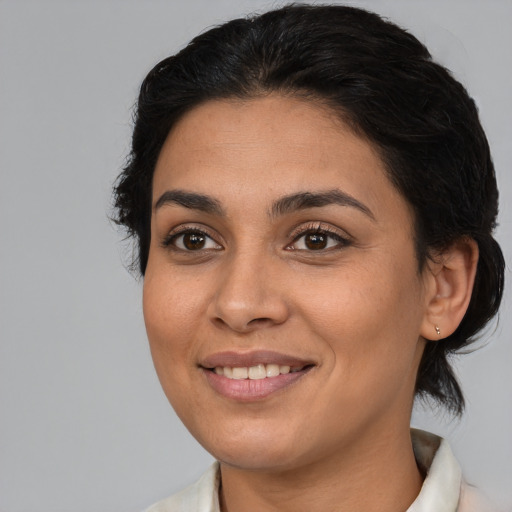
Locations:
{"points": [[313, 200]]}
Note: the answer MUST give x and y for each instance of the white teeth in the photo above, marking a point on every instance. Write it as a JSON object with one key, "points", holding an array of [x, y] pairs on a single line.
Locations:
{"points": [[272, 370], [257, 372], [240, 373]]}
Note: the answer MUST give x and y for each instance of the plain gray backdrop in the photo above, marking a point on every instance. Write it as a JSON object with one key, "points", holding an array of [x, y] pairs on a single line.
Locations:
{"points": [[84, 426]]}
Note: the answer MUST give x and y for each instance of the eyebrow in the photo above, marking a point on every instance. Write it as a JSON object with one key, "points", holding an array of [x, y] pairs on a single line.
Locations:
{"points": [[190, 200], [305, 200], [284, 205]]}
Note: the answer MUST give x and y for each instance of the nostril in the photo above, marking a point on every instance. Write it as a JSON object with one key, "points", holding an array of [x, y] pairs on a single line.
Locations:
{"points": [[240, 325], [259, 321], [219, 322]]}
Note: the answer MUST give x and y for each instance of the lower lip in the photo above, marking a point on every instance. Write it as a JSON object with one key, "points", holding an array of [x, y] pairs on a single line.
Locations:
{"points": [[248, 390]]}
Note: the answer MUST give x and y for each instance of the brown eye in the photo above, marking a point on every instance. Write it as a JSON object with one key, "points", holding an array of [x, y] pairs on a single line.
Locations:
{"points": [[319, 240], [194, 241], [191, 240], [315, 241]]}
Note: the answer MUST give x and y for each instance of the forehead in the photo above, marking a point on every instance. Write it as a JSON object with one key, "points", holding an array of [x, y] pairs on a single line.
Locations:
{"points": [[266, 147]]}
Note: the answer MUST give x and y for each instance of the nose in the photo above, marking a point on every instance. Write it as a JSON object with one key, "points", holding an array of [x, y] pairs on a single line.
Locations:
{"points": [[249, 295]]}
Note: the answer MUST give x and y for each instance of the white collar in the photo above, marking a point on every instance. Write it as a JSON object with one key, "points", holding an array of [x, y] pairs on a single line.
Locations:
{"points": [[440, 492], [441, 488]]}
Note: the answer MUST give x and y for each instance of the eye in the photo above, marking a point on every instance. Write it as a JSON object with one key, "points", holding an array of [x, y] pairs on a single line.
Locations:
{"points": [[191, 240], [318, 238], [315, 242]]}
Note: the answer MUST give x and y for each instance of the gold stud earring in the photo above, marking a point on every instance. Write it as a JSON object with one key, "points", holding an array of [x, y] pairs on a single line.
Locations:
{"points": [[438, 331]]}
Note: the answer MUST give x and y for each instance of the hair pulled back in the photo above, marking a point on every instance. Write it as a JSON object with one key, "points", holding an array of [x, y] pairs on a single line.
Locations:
{"points": [[384, 84]]}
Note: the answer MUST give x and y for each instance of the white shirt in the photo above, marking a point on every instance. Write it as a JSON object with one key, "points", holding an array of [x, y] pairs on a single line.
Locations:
{"points": [[443, 490]]}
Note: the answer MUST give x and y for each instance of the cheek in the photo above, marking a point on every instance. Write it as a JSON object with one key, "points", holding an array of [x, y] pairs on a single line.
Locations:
{"points": [[171, 302], [369, 317], [170, 317], [169, 314]]}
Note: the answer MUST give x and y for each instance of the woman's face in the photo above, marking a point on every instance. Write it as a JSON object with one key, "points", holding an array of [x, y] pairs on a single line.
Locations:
{"points": [[279, 245]]}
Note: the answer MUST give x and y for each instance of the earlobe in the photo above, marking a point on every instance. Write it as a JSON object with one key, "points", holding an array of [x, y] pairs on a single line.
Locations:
{"points": [[451, 275]]}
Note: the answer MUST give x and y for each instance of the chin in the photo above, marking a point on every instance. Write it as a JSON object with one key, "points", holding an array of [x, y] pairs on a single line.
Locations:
{"points": [[254, 449], [257, 458]]}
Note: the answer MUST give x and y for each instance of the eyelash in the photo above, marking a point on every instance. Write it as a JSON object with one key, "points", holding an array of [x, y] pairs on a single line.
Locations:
{"points": [[170, 240], [317, 228]]}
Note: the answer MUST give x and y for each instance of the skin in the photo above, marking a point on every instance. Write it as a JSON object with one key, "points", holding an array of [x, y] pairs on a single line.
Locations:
{"points": [[359, 309]]}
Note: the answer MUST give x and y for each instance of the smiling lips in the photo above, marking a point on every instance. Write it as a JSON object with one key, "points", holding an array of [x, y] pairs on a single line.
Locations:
{"points": [[244, 377], [260, 371]]}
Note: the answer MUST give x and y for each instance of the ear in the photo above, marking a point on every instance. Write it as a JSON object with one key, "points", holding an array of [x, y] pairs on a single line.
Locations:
{"points": [[449, 284]]}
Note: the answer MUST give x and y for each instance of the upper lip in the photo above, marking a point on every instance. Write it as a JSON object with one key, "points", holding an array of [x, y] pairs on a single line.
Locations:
{"points": [[236, 359]]}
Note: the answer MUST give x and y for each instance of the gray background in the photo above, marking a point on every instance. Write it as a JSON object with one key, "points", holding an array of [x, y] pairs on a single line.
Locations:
{"points": [[84, 426]]}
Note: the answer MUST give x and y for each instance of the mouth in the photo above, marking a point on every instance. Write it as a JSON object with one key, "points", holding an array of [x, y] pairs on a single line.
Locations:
{"points": [[257, 372], [253, 376]]}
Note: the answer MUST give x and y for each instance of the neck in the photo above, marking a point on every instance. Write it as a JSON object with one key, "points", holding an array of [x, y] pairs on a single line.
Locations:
{"points": [[376, 473]]}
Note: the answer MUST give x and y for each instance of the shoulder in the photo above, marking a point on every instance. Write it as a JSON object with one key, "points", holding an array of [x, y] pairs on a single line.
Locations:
{"points": [[202, 496], [444, 488]]}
